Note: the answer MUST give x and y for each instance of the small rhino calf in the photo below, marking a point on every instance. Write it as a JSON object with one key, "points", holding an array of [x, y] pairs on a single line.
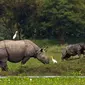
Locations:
{"points": [[72, 50]]}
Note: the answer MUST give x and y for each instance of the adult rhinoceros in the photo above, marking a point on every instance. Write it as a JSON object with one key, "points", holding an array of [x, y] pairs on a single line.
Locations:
{"points": [[72, 50], [20, 50]]}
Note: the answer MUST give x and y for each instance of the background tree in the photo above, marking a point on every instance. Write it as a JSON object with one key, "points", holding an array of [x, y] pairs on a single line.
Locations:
{"points": [[51, 19]]}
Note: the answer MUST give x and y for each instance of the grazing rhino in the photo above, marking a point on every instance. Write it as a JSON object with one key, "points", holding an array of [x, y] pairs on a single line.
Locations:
{"points": [[72, 50], [20, 50]]}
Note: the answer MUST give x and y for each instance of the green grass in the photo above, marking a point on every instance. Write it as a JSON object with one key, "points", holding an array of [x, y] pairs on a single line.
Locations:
{"points": [[33, 67], [42, 81]]}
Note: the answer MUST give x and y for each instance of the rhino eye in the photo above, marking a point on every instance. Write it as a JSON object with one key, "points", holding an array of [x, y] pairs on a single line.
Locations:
{"points": [[43, 57]]}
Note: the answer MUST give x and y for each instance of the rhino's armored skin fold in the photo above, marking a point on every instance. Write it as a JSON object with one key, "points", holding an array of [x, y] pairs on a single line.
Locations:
{"points": [[20, 50], [72, 50]]}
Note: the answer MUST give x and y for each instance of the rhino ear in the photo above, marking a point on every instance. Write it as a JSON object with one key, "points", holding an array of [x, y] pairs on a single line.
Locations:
{"points": [[41, 50]]}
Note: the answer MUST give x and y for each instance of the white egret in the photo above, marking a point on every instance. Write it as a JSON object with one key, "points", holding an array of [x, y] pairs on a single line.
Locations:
{"points": [[53, 60], [30, 79], [15, 35]]}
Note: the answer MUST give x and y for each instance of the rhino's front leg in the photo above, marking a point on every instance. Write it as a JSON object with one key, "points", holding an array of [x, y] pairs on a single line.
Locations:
{"points": [[25, 59], [83, 52], [79, 53]]}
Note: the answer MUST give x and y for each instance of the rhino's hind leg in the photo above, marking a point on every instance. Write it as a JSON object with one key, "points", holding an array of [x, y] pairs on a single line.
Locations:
{"points": [[3, 65]]}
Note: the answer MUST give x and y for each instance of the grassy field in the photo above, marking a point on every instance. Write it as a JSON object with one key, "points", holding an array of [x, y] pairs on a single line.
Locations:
{"points": [[42, 81], [33, 67]]}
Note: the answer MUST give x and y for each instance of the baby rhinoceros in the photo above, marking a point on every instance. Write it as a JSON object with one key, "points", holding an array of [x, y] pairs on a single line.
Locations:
{"points": [[20, 50], [72, 50]]}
